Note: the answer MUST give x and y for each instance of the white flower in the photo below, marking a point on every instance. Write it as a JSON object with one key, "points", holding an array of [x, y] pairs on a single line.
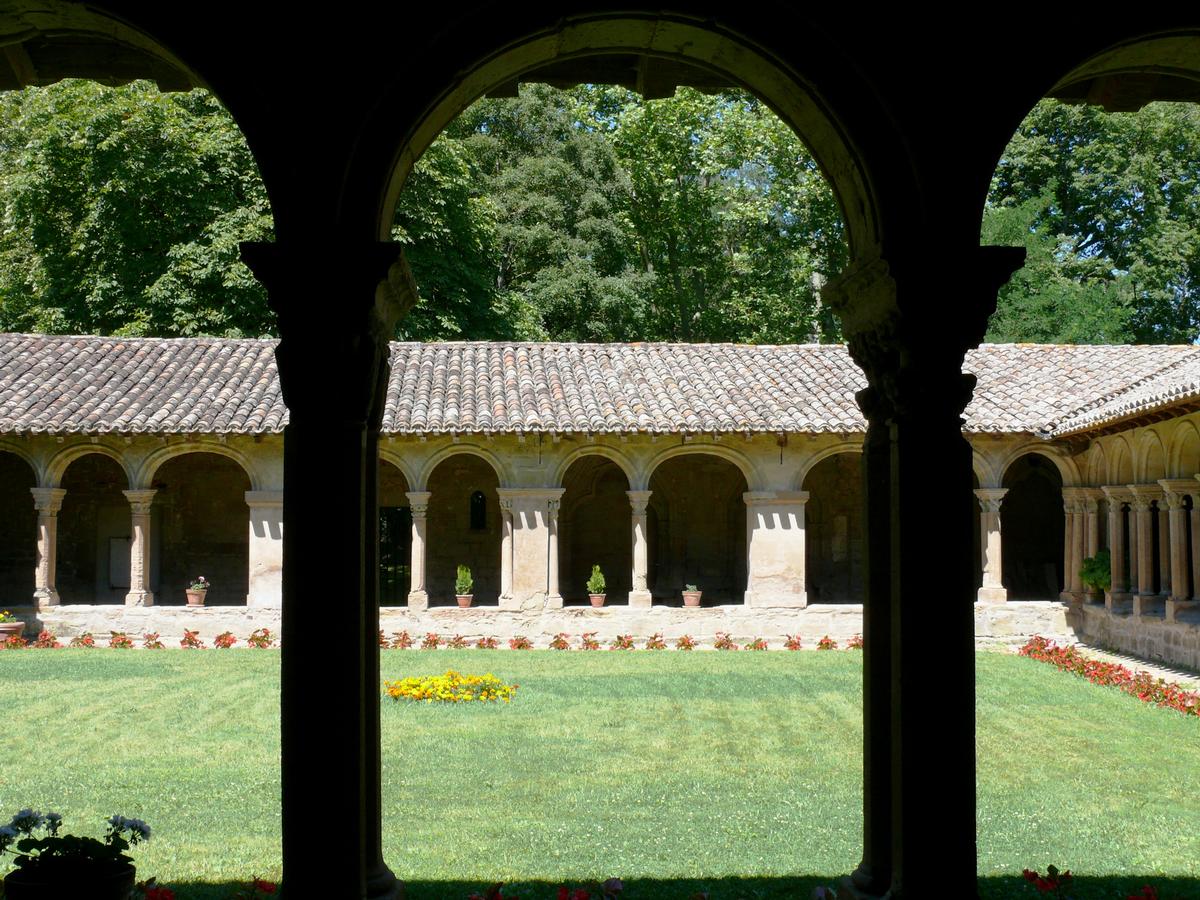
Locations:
{"points": [[26, 821]]}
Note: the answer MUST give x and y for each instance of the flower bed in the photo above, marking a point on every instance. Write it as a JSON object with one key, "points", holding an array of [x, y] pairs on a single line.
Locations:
{"points": [[452, 687], [1142, 685]]}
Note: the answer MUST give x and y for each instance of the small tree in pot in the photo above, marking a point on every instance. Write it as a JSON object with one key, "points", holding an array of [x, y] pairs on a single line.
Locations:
{"points": [[691, 595], [596, 587], [463, 585], [1096, 573]]}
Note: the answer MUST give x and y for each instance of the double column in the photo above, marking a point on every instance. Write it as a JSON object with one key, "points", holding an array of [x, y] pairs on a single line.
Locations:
{"points": [[47, 501], [337, 305], [992, 590], [1144, 496], [1118, 595], [141, 505], [1181, 493], [640, 596], [418, 593], [529, 548], [911, 340]]}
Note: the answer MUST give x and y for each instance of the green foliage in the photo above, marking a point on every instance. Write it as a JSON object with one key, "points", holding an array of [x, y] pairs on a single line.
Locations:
{"points": [[121, 210], [596, 583], [463, 582], [1096, 572], [1108, 206]]}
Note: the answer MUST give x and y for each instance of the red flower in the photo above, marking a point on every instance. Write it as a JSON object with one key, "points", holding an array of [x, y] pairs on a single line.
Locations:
{"points": [[264, 887], [160, 893], [563, 893]]}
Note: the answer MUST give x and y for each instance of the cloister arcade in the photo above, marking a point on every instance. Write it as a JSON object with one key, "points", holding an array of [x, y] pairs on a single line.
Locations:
{"points": [[914, 298]]}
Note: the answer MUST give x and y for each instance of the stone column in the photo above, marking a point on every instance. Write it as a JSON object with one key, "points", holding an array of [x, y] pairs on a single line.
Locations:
{"points": [[554, 598], [265, 548], [337, 303], [140, 503], [1073, 559], [910, 338], [640, 595], [1177, 491], [418, 594], [528, 527], [1092, 498], [992, 590], [1165, 578], [506, 551], [1118, 594], [1143, 495], [47, 502], [775, 549]]}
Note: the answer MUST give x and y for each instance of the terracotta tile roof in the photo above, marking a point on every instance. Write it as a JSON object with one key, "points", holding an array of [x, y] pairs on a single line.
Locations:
{"points": [[213, 386]]}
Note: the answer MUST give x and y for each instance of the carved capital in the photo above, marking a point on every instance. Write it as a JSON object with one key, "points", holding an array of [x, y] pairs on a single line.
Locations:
{"points": [[47, 501], [418, 503], [1177, 489], [639, 500], [991, 498], [140, 501]]}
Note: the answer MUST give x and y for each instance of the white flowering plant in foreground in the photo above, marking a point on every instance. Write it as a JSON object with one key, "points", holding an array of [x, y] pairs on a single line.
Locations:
{"points": [[41, 850]]}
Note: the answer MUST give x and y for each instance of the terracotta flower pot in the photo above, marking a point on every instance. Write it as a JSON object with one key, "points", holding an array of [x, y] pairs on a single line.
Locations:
{"points": [[195, 598], [8, 629], [22, 885], [597, 599], [691, 598], [464, 600]]}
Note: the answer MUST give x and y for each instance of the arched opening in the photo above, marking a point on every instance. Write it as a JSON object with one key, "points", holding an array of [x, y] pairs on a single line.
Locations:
{"points": [[94, 531], [18, 530], [201, 520], [453, 488], [834, 526], [697, 529], [1034, 528], [594, 529], [395, 536]]}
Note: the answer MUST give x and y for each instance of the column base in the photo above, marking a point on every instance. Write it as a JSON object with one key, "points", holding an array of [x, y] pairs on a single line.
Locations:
{"points": [[139, 598], [641, 599], [44, 598], [418, 601], [1147, 604], [384, 886], [1074, 598], [992, 595], [848, 889], [762, 600], [554, 601], [1174, 607]]}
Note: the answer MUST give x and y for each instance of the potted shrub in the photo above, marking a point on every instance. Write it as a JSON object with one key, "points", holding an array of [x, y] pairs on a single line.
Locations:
{"points": [[10, 625], [197, 591], [596, 587], [57, 865], [691, 595], [1096, 574], [463, 585]]}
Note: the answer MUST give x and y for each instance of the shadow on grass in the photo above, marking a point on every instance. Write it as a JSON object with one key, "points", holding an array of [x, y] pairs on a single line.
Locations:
{"points": [[797, 888]]}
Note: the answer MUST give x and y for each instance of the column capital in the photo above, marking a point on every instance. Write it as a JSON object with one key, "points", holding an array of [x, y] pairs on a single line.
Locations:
{"points": [[639, 500], [530, 498], [1144, 495], [47, 500], [990, 498], [255, 499], [140, 500], [418, 503], [775, 498], [1117, 493], [1179, 488]]}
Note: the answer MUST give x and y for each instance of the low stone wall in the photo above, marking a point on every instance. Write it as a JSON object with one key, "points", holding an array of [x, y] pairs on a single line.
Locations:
{"points": [[996, 626], [1148, 636]]}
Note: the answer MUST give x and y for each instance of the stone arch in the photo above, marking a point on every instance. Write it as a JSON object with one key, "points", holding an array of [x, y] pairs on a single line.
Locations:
{"points": [[595, 528], [395, 533], [143, 476], [651, 35], [835, 529], [1067, 469], [1150, 462], [34, 463], [613, 455], [421, 482], [696, 524], [1184, 458], [1033, 523], [94, 528], [739, 459], [403, 464], [450, 538], [58, 464], [1120, 464], [18, 528], [821, 455], [200, 526], [1097, 467]]}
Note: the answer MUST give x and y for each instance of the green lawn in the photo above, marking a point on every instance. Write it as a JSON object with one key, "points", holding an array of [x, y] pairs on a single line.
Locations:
{"points": [[738, 772]]}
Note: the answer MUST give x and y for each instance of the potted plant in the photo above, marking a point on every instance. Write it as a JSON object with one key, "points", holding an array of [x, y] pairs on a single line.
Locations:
{"points": [[596, 587], [463, 585], [1096, 574], [691, 595], [10, 625], [197, 591], [57, 865]]}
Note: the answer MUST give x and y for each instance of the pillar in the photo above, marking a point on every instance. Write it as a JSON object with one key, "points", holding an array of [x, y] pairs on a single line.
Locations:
{"points": [[527, 532], [1177, 491], [554, 598], [910, 340], [140, 504], [640, 595], [1118, 594], [506, 551], [992, 590], [418, 594], [265, 548], [47, 502], [775, 549], [1165, 575], [337, 303], [1089, 503], [1144, 495], [1073, 509]]}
